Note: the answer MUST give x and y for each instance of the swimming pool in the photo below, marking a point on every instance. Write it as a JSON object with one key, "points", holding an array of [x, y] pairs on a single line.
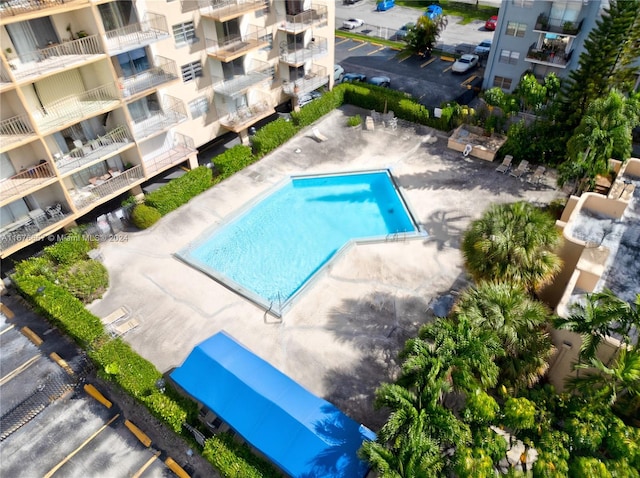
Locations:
{"points": [[275, 246]]}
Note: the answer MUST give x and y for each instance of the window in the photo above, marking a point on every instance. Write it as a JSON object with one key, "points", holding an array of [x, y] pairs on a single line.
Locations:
{"points": [[516, 29], [502, 82], [523, 3], [199, 107], [184, 33], [269, 39], [510, 57], [191, 71]]}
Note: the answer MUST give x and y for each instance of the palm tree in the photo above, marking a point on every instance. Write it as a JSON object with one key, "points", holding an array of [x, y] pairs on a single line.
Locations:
{"points": [[619, 384], [515, 243], [423, 35], [519, 323]]}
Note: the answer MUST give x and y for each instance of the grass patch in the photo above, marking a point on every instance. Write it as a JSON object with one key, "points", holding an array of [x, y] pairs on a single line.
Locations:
{"points": [[468, 11], [398, 45]]}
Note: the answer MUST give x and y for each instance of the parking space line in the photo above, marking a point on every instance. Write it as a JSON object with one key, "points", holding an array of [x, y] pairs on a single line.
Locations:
{"points": [[342, 41], [428, 62], [139, 473], [376, 51], [468, 80], [403, 59], [447, 69], [18, 370], [357, 46], [7, 329], [85, 443]]}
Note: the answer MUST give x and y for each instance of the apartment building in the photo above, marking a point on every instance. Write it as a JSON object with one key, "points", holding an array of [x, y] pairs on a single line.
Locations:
{"points": [[99, 96], [539, 36]]}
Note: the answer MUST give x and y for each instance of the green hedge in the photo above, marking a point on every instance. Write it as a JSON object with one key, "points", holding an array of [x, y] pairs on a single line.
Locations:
{"points": [[70, 249], [272, 136], [144, 216], [180, 190], [233, 160], [318, 108], [87, 280], [167, 410], [236, 460], [380, 99]]}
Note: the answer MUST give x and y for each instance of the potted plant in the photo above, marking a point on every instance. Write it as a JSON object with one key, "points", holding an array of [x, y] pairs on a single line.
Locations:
{"points": [[10, 57], [542, 23], [569, 27]]}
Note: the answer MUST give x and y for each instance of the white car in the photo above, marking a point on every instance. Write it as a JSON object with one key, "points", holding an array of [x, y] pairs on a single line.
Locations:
{"points": [[338, 73], [465, 63], [352, 23], [483, 48]]}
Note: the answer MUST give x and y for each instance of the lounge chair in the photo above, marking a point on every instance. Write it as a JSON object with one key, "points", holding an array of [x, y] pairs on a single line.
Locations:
{"points": [[537, 175], [522, 168], [506, 164], [119, 329], [119, 314], [318, 135], [627, 193]]}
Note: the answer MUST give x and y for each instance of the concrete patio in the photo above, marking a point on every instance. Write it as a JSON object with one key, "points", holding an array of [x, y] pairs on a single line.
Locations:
{"points": [[340, 339]]}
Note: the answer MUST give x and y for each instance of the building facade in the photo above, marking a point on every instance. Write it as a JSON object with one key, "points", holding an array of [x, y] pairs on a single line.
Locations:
{"points": [[98, 97]]}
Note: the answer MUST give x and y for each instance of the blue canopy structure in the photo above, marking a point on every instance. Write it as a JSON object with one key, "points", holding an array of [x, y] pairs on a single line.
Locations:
{"points": [[302, 434]]}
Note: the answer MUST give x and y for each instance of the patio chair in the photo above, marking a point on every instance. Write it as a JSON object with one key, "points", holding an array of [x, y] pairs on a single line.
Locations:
{"points": [[119, 329], [537, 175], [506, 164], [627, 193], [522, 168], [318, 135], [119, 314]]}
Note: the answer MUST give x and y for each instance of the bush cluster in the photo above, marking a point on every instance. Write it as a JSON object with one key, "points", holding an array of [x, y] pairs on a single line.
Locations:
{"points": [[233, 160], [144, 216], [180, 191], [236, 460], [272, 136]]}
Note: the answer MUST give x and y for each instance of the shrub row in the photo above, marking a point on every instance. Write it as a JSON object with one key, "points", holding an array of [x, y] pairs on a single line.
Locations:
{"points": [[236, 460], [180, 191]]}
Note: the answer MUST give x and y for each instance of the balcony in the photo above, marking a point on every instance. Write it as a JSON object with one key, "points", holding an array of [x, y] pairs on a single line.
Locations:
{"points": [[74, 108], [114, 141], [258, 72], [315, 78], [235, 46], [56, 58], [5, 80], [11, 8], [30, 228], [16, 130], [542, 56], [26, 180], [164, 71], [317, 17], [244, 117], [152, 29], [297, 54], [173, 152], [118, 183], [225, 10], [557, 25], [172, 113]]}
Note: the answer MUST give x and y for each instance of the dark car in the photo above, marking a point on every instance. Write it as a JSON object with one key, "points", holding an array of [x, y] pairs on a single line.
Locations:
{"points": [[353, 77], [404, 30]]}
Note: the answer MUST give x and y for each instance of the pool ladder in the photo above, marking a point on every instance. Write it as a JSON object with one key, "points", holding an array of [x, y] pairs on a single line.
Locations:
{"points": [[394, 237]]}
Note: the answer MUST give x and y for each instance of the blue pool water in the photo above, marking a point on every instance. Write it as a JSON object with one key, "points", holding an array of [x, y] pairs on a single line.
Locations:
{"points": [[276, 246]]}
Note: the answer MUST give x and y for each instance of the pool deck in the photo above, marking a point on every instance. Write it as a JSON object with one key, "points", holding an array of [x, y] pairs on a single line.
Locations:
{"points": [[341, 337]]}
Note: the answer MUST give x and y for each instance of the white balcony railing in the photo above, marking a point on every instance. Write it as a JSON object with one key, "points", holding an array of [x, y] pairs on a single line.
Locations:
{"points": [[25, 180], [10, 8], [231, 47], [244, 117], [74, 108], [117, 184], [153, 28], [317, 17], [177, 151], [163, 71], [313, 79], [57, 57], [114, 140], [27, 228], [257, 72], [225, 10], [298, 54], [172, 113], [15, 129]]}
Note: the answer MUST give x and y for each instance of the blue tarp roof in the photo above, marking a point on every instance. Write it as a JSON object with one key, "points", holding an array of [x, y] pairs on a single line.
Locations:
{"points": [[301, 433]]}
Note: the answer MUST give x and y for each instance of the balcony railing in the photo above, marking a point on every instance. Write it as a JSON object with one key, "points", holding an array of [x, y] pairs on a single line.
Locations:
{"points": [[27, 228], [244, 117], [297, 54], [225, 10], [257, 72], [152, 29], [114, 140], [25, 180], [176, 152], [558, 59], [234, 46], [557, 25], [57, 57], [10, 8], [163, 71], [115, 185], [73, 108], [172, 113], [15, 129], [315, 78], [317, 16]]}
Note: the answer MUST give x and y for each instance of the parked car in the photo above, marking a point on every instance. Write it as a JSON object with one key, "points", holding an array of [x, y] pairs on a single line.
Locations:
{"points": [[338, 73], [352, 23], [433, 11], [491, 23], [384, 5], [383, 81], [307, 98], [353, 77], [404, 30], [483, 48], [465, 63]]}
